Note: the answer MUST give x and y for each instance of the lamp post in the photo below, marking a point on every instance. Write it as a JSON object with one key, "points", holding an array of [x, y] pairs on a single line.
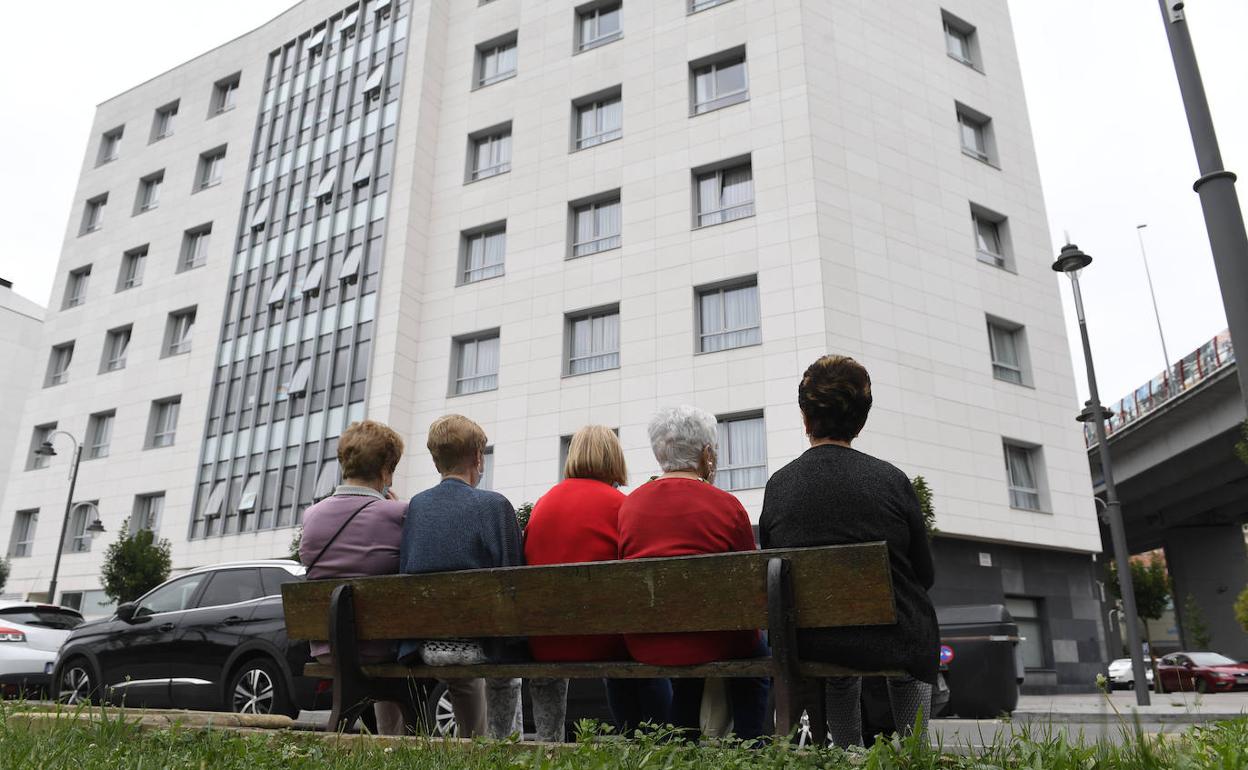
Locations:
{"points": [[1070, 261], [47, 450], [1139, 234]]}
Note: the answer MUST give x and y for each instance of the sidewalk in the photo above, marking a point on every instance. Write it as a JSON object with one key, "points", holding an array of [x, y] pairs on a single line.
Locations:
{"points": [[1167, 708]]}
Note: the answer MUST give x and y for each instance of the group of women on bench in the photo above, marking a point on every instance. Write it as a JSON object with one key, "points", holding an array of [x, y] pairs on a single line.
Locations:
{"points": [[831, 494]]}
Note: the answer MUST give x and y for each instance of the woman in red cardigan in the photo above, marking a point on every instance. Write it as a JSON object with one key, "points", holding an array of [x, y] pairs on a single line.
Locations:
{"points": [[682, 513], [576, 522]]}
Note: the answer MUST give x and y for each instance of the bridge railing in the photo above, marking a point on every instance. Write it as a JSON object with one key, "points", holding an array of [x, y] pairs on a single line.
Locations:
{"points": [[1186, 373]]}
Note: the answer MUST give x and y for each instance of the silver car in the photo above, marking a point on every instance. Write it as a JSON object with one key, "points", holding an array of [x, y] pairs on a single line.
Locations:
{"points": [[30, 635], [1120, 675]]}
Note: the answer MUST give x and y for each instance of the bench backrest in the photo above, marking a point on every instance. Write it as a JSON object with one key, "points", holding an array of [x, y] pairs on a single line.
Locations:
{"points": [[843, 585]]}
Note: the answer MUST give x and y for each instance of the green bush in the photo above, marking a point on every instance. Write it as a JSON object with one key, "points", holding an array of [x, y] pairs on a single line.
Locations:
{"points": [[134, 564], [1241, 609], [4, 572]]}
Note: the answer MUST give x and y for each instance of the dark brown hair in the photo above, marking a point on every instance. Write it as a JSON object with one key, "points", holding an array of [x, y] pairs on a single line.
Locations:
{"points": [[835, 397], [367, 448]]}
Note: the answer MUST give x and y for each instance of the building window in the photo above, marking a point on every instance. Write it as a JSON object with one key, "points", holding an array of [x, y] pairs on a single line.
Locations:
{"points": [[178, 332], [149, 192], [597, 24], [116, 342], [110, 142], [598, 119], [961, 42], [594, 341], [147, 512], [702, 5], [77, 538], [99, 434], [211, 164], [225, 94], [42, 433], [596, 225], [93, 214], [975, 130], [22, 539], [496, 60], [163, 424], [195, 247], [489, 152], [487, 470], [132, 264], [724, 194], [1021, 466], [990, 242], [719, 81], [162, 124], [476, 363], [742, 453], [1005, 343], [728, 316], [1031, 628], [58, 364], [76, 287], [483, 250]]}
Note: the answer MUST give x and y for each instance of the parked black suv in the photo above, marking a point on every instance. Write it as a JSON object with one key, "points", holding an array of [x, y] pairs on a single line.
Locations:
{"points": [[213, 638]]}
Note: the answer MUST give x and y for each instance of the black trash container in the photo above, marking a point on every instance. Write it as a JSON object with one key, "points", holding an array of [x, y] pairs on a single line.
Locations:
{"points": [[979, 645]]}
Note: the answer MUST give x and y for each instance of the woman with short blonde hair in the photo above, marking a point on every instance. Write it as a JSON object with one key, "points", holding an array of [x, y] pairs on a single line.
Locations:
{"points": [[575, 522]]}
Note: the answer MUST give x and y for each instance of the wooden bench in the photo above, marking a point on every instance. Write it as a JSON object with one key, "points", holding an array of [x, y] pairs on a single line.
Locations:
{"points": [[778, 590]]}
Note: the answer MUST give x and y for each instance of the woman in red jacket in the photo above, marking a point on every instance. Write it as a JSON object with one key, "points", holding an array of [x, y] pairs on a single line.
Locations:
{"points": [[576, 522], [682, 513]]}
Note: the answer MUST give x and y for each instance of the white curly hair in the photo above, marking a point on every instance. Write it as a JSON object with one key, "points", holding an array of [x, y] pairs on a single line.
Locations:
{"points": [[678, 434]]}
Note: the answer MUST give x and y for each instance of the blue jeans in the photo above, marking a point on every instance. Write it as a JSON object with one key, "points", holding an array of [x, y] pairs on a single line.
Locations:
{"points": [[634, 701], [747, 696]]}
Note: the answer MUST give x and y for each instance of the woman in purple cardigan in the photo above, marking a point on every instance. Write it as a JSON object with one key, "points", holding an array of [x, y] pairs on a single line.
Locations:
{"points": [[356, 532]]}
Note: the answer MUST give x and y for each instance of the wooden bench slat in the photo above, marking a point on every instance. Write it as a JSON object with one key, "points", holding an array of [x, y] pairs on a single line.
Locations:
{"points": [[596, 670], [832, 585]]}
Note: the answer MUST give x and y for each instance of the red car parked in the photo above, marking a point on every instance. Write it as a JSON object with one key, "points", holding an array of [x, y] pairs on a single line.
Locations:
{"points": [[1201, 672]]}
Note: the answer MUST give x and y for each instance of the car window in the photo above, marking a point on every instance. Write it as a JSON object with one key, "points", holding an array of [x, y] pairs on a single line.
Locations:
{"points": [[1168, 660], [170, 597], [1210, 659], [232, 586], [274, 578], [43, 617]]}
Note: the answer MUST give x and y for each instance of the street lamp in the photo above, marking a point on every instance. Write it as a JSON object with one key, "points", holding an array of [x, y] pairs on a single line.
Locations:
{"points": [[1070, 261], [47, 450]]}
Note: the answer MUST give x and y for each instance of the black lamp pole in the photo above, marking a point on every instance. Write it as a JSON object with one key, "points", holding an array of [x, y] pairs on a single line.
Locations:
{"points": [[47, 450], [1070, 262]]}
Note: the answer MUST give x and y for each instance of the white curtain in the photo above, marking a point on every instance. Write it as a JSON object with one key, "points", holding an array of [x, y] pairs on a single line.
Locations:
{"points": [[610, 115], [741, 316], [478, 365], [742, 454], [738, 195], [712, 306], [1023, 489], [608, 215], [595, 343], [729, 79], [708, 200], [704, 85], [584, 231], [587, 128], [1005, 353], [989, 239], [972, 136]]}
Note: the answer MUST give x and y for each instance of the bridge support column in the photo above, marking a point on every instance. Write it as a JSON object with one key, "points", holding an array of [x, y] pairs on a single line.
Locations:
{"points": [[1210, 564]]}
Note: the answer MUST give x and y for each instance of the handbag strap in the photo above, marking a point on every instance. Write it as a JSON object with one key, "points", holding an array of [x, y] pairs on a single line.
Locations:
{"points": [[325, 548]]}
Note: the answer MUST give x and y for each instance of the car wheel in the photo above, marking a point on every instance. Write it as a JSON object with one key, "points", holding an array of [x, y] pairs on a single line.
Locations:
{"points": [[258, 687], [1202, 686], [438, 705], [77, 683]]}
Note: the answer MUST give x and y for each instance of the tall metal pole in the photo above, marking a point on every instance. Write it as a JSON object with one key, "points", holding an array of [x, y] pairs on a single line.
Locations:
{"points": [[1224, 220], [1139, 233], [69, 504], [1113, 509]]}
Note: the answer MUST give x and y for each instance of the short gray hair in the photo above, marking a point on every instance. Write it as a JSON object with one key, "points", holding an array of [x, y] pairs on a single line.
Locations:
{"points": [[678, 434]]}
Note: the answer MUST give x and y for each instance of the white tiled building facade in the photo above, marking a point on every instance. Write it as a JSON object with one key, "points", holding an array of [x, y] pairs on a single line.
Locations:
{"points": [[540, 215]]}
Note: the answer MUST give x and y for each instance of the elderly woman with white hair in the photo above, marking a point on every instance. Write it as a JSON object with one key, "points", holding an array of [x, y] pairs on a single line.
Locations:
{"points": [[682, 513]]}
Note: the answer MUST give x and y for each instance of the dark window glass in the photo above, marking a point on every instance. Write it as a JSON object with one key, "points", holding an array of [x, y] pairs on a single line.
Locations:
{"points": [[232, 586]]}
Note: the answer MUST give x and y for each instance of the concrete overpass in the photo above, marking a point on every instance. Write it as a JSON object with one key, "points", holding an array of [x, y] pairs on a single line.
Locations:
{"points": [[1182, 487]]}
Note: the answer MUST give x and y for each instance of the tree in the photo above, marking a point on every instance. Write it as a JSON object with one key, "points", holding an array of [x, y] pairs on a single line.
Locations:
{"points": [[1194, 626], [295, 542], [1241, 448], [4, 573], [522, 514], [134, 564], [1151, 582], [1241, 609], [924, 493]]}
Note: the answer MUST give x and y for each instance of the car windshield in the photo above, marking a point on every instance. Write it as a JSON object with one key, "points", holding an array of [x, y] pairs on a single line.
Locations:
{"points": [[43, 617], [1210, 659]]}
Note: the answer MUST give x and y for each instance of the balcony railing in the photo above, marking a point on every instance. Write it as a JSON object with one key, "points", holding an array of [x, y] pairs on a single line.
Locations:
{"points": [[1185, 374]]}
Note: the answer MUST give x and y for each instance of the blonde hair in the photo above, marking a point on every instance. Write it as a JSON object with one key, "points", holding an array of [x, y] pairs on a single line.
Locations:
{"points": [[454, 442], [367, 448], [595, 453]]}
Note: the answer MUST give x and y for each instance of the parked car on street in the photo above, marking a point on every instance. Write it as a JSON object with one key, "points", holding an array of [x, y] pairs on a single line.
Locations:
{"points": [[1121, 676], [1202, 672], [30, 635], [213, 638]]}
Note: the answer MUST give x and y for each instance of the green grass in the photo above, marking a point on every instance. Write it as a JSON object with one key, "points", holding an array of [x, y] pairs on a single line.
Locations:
{"points": [[113, 744]]}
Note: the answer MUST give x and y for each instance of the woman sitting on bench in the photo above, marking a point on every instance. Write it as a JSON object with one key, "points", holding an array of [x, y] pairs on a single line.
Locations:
{"points": [[835, 495]]}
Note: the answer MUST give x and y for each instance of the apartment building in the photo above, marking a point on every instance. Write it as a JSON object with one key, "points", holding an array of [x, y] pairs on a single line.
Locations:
{"points": [[543, 214]]}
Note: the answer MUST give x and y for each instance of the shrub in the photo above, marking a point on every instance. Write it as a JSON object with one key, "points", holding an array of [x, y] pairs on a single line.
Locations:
{"points": [[134, 564], [1241, 609], [4, 572]]}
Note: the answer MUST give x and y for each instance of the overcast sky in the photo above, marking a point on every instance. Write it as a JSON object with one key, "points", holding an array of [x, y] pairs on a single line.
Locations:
{"points": [[1110, 134]]}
